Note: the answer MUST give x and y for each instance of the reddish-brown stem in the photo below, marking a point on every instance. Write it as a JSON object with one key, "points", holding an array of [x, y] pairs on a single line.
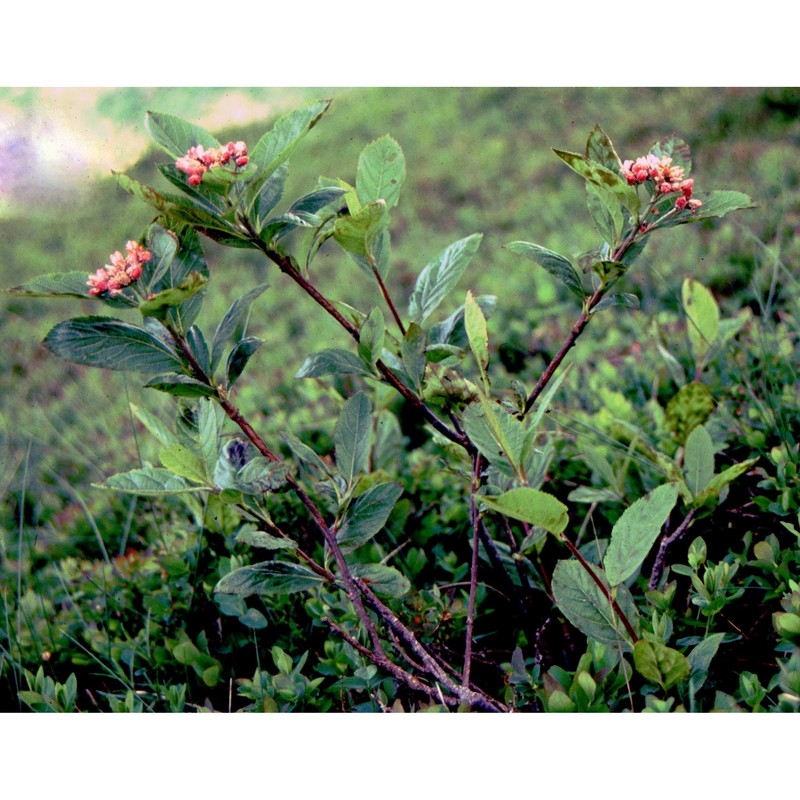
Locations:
{"points": [[288, 269], [666, 541], [568, 344], [388, 300], [603, 588], [473, 570]]}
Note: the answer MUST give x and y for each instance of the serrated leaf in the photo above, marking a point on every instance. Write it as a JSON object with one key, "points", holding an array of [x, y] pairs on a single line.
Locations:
{"points": [[600, 149], [270, 577], [603, 177], [698, 460], [175, 136], [153, 424], [261, 474], [452, 331], [66, 284], [357, 233], [111, 344], [367, 516], [269, 194], [477, 334], [255, 538], [371, 337], [384, 581], [606, 212], [304, 453], [586, 607], [412, 351], [702, 313], [151, 482], [233, 318], [158, 305], [635, 532], [332, 362], [440, 276], [381, 172], [275, 146], [352, 437], [661, 664], [700, 659], [239, 356], [718, 482], [530, 505], [557, 265], [499, 436], [181, 386], [184, 462]]}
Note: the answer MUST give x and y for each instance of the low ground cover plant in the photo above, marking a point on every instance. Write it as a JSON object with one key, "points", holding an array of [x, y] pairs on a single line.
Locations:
{"points": [[425, 518]]}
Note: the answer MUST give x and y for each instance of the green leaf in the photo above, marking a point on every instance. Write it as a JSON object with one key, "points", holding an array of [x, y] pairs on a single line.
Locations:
{"points": [[702, 313], [238, 358], [558, 266], [690, 407], [477, 334], [189, 259], [255, 538], [701, 657], [153, 424], [381, 172], [111, 344], [603, 177], [261, 474], [163, 246], [181, 386], [440, 276], [234, 317], [175, 136], [304, 453], [499, 436], [270, 577], [357, 234], [184, 462], [384, 581], [718, 482], [661, 664], [717, 204], [635, 532], [158, 305], [606, 212], [531, 506], [149, 481], [586, 607], [371, 337], [600, 150], [413, 354], [698, 460], [332, 362], [352, 437], [269, 194], [367, 515], [282, 139], [65, 284]]}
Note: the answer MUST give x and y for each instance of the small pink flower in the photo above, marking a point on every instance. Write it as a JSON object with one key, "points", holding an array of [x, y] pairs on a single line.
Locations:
{"points": [[121, 272], [198, 160]]}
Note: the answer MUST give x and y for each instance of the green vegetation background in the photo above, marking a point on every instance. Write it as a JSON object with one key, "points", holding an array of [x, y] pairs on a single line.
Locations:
{"points": [[479, 159]]}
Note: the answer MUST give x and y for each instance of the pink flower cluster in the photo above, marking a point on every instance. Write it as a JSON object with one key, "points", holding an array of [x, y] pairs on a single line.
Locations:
{"points": [[121, 272], [666, 177], [198, 160]]}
